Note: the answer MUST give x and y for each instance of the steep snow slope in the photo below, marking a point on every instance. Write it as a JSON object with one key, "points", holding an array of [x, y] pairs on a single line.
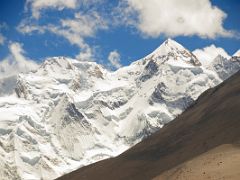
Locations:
{"points": [[69, 113]]}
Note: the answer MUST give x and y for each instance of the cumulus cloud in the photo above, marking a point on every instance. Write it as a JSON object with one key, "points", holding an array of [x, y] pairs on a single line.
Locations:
{"points": [[207, 54], [16, 62], [37, 5], [114, 58], [174, 18]]}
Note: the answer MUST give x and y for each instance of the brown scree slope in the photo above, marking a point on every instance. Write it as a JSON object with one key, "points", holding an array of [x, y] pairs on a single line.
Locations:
{"points": [[220, 163], [203, 143]]}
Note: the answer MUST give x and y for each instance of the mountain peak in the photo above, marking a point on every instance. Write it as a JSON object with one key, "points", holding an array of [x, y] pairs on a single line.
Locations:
{"points": [[168, 46], [172, 52], [55, 64], [172, 43]]}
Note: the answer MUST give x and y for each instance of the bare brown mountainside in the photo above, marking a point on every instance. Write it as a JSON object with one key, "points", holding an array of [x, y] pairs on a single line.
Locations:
{"points": [[203, 142]]}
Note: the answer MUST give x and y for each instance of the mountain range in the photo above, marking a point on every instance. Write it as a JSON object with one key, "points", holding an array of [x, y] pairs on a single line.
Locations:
{"points": [[201, 143], [67, 113]]}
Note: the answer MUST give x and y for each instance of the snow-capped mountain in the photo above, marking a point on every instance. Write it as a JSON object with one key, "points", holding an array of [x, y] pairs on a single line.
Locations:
{"points": [[69, 113]]}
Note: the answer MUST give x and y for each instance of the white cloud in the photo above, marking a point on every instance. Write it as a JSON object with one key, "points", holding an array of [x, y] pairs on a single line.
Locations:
{"points": [[27, 27], [85, 24], [75, 30], [175, 17], [16, 62], [86, 54], [114, 59], [207, 54], [38, 5]]}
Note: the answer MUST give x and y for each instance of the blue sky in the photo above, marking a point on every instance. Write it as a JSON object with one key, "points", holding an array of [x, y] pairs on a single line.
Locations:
{"points": [[126, 30]]}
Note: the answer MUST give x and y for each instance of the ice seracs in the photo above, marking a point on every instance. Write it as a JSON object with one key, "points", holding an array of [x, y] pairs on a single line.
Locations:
{"points": [[69, 113]]}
